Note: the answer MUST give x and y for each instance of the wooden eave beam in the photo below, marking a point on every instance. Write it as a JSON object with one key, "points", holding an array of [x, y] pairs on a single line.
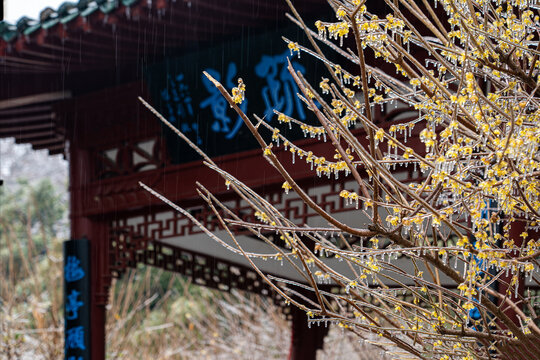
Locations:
{"points": [[39, 55], [15, 63], [34, 99], [132, 37], [59, 63], [26, 120], [15, 130], [56, 45], [98, 38], [203, 21], [267, 10], [46, 143], [11, 68], [35, 63], [35, 136], [56, 149], [75, 42], [25, 110], [32, 50], [192, 19]]}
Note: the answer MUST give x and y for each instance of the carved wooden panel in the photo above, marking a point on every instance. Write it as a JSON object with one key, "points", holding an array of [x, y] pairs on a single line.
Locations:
{"points": [[129, 157]]}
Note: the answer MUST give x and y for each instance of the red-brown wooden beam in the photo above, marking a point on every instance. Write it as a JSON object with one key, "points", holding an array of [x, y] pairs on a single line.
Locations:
{"points": [[82, 44], [20, 123], [14, 130], [178, 182], [16, 69], [47, 143], [96, 230], [29, 137], [76, 48], [25, 110]]}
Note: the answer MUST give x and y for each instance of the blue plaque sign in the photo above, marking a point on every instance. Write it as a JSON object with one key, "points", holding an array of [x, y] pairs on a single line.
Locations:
{"points": [[77, 299], [192, 103]]}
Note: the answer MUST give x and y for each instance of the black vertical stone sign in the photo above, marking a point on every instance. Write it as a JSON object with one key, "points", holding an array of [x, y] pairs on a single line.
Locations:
{"points": [[77, 299]]}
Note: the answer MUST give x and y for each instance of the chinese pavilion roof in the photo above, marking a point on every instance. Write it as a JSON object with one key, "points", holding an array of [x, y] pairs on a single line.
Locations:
{"points": [[101, 33], [91, 45]]}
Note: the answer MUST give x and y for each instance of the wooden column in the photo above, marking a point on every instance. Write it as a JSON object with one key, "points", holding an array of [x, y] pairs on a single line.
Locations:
{"points": [[516, 229], [305, 341], [95, 229]]}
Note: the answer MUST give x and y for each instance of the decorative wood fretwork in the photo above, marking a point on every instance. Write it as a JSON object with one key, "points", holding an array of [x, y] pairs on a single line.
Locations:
{"points": [[170, 224], [130, 157], [127, 249], [141, 239]]}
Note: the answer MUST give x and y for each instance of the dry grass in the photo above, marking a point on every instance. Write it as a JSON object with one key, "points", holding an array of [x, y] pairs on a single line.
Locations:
{"points": [[190, 322]]}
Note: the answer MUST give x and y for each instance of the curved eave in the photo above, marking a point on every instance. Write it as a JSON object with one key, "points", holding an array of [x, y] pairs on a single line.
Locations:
{"points": [[36, 59], [31, 120], [99, 39]]}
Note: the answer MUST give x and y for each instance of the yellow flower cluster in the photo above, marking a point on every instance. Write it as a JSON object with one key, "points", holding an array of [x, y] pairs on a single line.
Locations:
{"points": [[286, 186], [238, 93], [474, 104], [350, 197]]}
